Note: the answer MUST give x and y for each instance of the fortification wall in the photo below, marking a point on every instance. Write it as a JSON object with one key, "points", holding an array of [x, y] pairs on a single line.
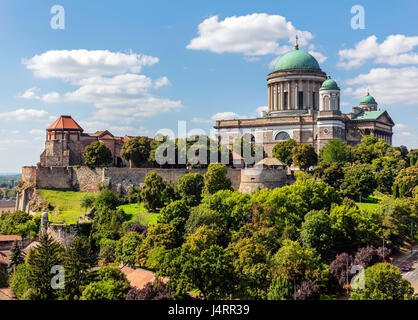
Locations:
{"points": [[117, 179], [260, 178]]}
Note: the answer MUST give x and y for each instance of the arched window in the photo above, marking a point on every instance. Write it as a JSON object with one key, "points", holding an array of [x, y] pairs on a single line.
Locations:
{"points": [[326, 103], [282, 136]]}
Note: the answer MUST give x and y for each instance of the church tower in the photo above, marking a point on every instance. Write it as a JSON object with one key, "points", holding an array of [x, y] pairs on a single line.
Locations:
{"points": [[330, 124]]}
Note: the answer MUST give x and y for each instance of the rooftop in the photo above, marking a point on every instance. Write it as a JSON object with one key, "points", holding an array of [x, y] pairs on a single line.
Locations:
{"points": [[65, 123], [368, 115]]}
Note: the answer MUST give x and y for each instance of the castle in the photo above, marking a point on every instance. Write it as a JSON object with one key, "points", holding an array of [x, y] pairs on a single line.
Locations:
{"points": [[304, 104], [65, 143]]}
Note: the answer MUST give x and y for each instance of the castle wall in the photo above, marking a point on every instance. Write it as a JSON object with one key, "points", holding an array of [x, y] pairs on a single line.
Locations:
{"points": [[117, 179], [260, 178]]}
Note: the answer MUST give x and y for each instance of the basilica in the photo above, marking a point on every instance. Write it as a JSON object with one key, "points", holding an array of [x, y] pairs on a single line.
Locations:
{"points": [[304, 104]]}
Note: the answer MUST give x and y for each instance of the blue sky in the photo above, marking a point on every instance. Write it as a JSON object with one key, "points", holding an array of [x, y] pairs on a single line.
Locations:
{"points": [[136, 67]]}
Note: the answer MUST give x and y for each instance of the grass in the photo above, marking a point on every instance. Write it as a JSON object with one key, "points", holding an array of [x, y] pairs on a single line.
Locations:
{"points": [[137, 212], [66, 204], [371, 202]]}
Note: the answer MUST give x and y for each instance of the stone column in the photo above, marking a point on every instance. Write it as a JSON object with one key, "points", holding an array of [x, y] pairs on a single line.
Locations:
{"points": [[296, 95], [289, 95], [281, 96], [269, 98]]}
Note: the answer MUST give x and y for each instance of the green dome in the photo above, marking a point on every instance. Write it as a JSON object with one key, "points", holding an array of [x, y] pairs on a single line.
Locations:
{"points": [[329, 84], [368, 100], [296, 60]]}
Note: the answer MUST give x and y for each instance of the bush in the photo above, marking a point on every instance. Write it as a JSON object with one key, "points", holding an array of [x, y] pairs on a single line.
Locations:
{"points": [[97, 154]]}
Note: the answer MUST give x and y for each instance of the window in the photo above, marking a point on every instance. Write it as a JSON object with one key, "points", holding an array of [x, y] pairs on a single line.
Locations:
{"points": [[285, 101], [314, 100], [300, 100], [282, 136]]}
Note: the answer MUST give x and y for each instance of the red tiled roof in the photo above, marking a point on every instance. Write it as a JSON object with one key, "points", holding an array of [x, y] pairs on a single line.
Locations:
{"points": [[10, 238], [65, 123]]}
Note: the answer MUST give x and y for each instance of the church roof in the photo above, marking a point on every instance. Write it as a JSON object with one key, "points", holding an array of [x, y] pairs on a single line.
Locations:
{"points": [[368, 115], [329, 84], [65, 123], [296, 60], [368, 99]]}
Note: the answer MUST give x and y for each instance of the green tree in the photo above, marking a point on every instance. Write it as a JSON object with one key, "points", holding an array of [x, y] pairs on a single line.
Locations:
{"points": [[216, 179], [304, 156], [409, 179], [19, 223], [335, 151], [20, 281], [210, 273], [152, 191], [358, 181], [295, 262], [203, 238], [176, 215], [283, 151], [158, 236], [190, 187], [46, 255], [97, 154], [76, 264], [155, 143], [126, 248], [87, 202], [109, 284], [16, 256], [383, 281], [251, 266], [136, 150], [333, 173], [316, 232], [281, 288]]}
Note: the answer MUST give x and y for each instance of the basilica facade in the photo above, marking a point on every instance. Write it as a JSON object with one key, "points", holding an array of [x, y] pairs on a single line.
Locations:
{"points": [[304, 104]]}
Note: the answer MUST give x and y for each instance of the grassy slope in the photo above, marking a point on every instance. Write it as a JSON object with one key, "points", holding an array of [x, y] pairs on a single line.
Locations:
{"points": [[137, 212], [66, 204], [371, 202]]}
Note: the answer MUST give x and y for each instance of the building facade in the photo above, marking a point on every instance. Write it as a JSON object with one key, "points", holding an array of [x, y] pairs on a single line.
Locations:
{"points": [[66, 141], [304, 104]]}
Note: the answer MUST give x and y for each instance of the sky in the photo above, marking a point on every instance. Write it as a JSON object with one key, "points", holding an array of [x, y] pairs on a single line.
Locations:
{"points": [[139, 67]]}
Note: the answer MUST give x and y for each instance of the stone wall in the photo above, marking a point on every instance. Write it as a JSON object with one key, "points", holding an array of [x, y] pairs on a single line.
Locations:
{"points": [[117, 179], [260, 178]]}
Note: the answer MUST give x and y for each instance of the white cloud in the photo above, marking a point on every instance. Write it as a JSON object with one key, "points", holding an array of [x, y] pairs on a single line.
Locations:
{"points": [[394, 50], [252, 35], [37, 132], [161, 82], [93, 126], [108, 80], [30, 94], [387, 85], [72, 65], [25, 114], [400, 126]]}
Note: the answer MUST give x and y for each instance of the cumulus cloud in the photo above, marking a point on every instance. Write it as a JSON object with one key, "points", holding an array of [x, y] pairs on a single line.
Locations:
{"points": [[394, 50], [78, 64], [30, 94], [25, 114], [254, 34], [108, 80], [387, 85]]}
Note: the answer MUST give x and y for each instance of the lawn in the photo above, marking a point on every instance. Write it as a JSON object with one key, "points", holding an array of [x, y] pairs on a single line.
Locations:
{"points": [[371, 202], [137, 212], [66, 204]]}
